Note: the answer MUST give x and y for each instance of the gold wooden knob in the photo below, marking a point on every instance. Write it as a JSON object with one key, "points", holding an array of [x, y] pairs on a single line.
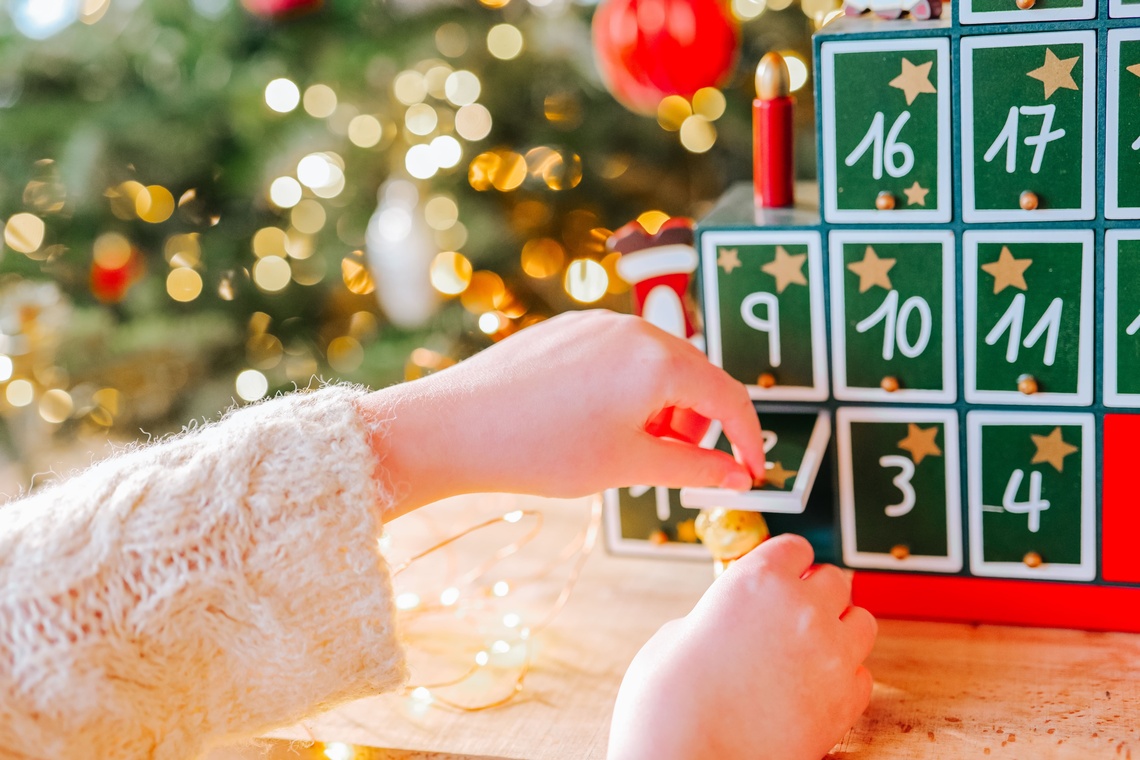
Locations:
{"points": [[1027, 384], [766, 380], [1028, 200], [890, 384], [1025, 4], [1032, 559], [885, 201], [900, 551]]}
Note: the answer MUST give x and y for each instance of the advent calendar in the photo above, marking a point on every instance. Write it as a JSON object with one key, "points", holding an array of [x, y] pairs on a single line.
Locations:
{"points": [[943, 346]]}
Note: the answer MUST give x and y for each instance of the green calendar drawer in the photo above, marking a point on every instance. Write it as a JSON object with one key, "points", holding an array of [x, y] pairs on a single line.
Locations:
{"points": [[1007, 12], [794, 446], [1032, 495], [886, 136], [1028, 316], [1029, 127], [650, 521], [764, 311], [892, 316], [898, 489], [1122, 318], [1122, 126]]}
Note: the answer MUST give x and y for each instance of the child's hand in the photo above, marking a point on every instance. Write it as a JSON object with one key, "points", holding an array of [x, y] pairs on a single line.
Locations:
{"points": [[560, 409], [767, 665]]}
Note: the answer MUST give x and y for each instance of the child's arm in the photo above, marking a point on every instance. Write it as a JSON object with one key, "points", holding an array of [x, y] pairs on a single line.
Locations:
{"points": [[767, 665], [560, 410]]}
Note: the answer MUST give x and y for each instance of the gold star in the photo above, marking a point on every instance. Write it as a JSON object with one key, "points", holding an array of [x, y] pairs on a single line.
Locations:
{"points": [[1052, 449], [920, 443], [1135, 69], [777, 475], [1056, 74], [1007, 271], [787, 269], [916, 194], [872, 271], [728, 259], [914, 80], [687, 532]]}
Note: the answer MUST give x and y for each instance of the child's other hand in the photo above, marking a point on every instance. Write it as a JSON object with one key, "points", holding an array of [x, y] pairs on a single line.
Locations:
{"points": [[767, 665], [561, 409]]}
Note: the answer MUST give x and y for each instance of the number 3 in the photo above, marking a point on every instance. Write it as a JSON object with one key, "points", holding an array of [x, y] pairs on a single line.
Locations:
{"points": [[901, 482]]}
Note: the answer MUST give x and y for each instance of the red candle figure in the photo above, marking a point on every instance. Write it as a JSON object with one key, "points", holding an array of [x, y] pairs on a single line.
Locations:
{"points": [[773, 169]]}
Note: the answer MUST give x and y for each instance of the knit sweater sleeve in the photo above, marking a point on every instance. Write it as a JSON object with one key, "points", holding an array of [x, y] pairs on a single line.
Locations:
{"points": [[202, 588]]}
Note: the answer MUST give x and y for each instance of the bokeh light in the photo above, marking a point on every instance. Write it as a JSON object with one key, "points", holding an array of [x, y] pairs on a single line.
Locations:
{"points": [[282, 95], [746, 10], [709, 102], [111, 251], [183, 284], [652, 220], [586, 280], [797, 70], [24, 232], [505, 41], [697, 134], [450, 273], [462, 88], [285, 192], [20, 393], [272, 274], [421, 119], [473, 122], [56, 405], [251, 385], [542, 258], [409, 87], [365, 131], [672, 112], [345, 354], [320, 101], [441, 212]]}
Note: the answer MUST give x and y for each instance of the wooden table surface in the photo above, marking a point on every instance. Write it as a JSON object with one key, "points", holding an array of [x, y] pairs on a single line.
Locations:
{"points": [[941, 690]]}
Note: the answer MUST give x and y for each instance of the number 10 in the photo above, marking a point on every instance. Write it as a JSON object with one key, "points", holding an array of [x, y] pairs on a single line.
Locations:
{"points": [[895, 321]]}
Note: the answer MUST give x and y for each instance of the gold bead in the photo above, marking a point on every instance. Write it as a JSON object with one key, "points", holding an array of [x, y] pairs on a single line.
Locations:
{"points": [[766, 380], [900, 551], [1032, 559], [1027, 384], [885, 201], [890, 384], [658, 537], [1025, 4], [1028, 200]]}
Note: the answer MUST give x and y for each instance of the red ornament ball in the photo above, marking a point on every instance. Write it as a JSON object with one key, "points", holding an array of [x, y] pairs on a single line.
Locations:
{"points": [[280, 8], [647, 49]]}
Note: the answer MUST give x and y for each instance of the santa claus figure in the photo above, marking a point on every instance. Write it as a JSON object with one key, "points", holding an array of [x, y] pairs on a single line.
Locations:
{"points": [[659, 269]]}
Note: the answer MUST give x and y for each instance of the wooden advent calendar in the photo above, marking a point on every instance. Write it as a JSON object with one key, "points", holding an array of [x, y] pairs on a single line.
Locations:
{"points": [[949, 381]]}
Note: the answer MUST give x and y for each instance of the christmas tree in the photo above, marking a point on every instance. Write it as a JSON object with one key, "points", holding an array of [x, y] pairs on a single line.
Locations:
{"points": [[204, 200]]}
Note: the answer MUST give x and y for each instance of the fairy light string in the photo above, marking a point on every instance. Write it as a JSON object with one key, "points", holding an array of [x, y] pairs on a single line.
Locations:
{"points": [[414, 607]]}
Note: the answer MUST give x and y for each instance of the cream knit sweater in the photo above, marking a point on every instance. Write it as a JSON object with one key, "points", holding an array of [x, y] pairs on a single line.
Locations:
{"points": [[202, 588]]}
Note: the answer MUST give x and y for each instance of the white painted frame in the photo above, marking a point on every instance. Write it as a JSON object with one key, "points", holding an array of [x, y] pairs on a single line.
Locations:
{"points": [[784, 502], [842, 391], [831, 211], [967, 14], [1117, 9], [1112, 396], [1087, 210], [1112, 147], [948, 418], [1084, 393], [710, 242], [1086, 569]]}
